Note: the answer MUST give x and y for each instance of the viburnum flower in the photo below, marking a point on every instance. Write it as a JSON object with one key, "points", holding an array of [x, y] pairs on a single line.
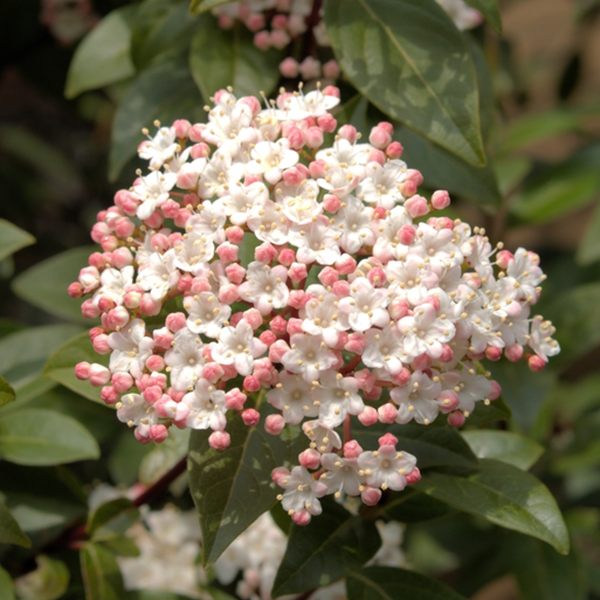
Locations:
{"points": [[256, 264]]}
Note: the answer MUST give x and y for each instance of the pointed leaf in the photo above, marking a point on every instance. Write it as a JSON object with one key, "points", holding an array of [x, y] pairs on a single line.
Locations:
{"points": [[45, 284], [387, 583], [10, 532], [330, 547], [108, 516], [103, 56], [44, 437], [497, 410], [6, 586], [7, 393], [199, 6], [505, 496], [220, 58], [490, 11], [506, 446], [102, 578], [12, 238], [409, 59], [48, 582], [232, 489], [410, 506]]}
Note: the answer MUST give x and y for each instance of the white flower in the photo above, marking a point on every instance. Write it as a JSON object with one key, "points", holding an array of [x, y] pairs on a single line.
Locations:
{"points": [[425, 332], [206, 314], [237, 346], [365, 306], [321, 437], [322, 317], [265, 287], [308, 356], [292, 396], [153, 191], [353, 225], [384, 349], [160, 148], [300, 106], [541, 341], [131, 348], [315, 242], [382, 184], [159, 274], [386, 467], [302, 492], [270, 158], [114, 284], [417, 399], [337, 396], [185, 360], [341, 475], [240, 200], [204, 408], [268, 222], [193, 252], [136, 412], [299, 203]]}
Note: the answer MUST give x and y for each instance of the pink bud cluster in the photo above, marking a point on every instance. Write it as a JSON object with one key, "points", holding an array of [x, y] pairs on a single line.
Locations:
{"points": [[251, 260]]}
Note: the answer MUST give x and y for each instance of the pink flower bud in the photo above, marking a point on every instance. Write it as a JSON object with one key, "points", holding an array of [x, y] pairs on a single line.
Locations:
{"points": [[440, 200], [317, 169], [274, 424], [310, 68], [185, 282], [109, 395], [394, 150], [118, 317], [155, 220], [294, 326], [199, 285], [268, 338], [448, 401], [265, 253], [122, 382], [175, 321], [377, 276], [235, 318], [297, 272], [346, 264], [297, 299], [170, 209], [368, 416], [328, 276], [75, 290], [99, 230], [278, 325], [89, 310], [122, 257], [152, 394], [403, 377], [158, 433], [162, 338], [341, 288], [496, 390], [374, 393], [278, 39], [155, 362], [332, 90], [331, 203], [225, 21], [105, 304], [255, 22], [447, 354], [387, 413], [219, 440], [357, 343], [100, 344], [314, 137], [535, 363], [227, 252], [398, 308], [370, 496], [492, 353], [286, 257], [503, 258], [331, 69], [301, 518], [212, 371], [416, 206], [195, 132], [98, 375], [456, 419], [388, 440], [348, 132], [514, 352], [251, 417], [277, 350], [421, 362], [377, 156], [279, 22], [253, 317], [379, 137], [82, 370], [310, 459], [406, 234], [182, 217], [327, 123], [289, 68], [252, 383], [278, 474], [413, 476], [235, 399]]}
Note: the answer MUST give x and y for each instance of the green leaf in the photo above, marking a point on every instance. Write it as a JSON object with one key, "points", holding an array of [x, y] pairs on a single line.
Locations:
{"points": [[12, 238], [48, 582], [7, 393], [511, 171], [45, 284], [163, 457], [330, 547], [199, 6], [584, 450], [121, 545], [387, 583], [6, 586], [103, 56], [506, 446], [102, 578], [589, 247], [125, 457], [434, 447], [61, 365], [44, 437], [108, 517], [410, 506], [409, 59], [503, 495], [10, 532], [220, 58], [497, 410], [232, 489], [164, 91], [490, 11], [545, 575], [485, 84]]}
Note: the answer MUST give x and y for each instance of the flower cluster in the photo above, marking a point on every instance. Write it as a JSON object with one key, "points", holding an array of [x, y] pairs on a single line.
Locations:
{"points": [[253, 259], [277, 23]]}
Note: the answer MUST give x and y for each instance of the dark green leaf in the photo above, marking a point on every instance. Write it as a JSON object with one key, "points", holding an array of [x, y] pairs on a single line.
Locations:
{"points": [[44, 437], [199, 6], [330, 547], [589, 247], [61, 365], [485, 84], [505, 496], [434, 447], [108, 513], [10, 532], [490, 11], [387, 583], [125, 458], [232, 489], [121, 545], [103, 56], [409, 59], [101, 574], [164, 456], [506, 446], [584, 450], [7, 394], [163, 91], [45, 284], [497, 410], [220, 58], [12, 238], [6, 586], [48, 582], [410, 506]]}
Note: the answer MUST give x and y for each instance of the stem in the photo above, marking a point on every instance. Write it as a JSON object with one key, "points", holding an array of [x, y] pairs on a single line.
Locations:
{"points": [[157, 488], [350, 366], [347, 429]]}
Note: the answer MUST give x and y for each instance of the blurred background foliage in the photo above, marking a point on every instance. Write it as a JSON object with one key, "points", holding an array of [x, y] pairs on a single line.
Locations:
{"points": [[67, 141]]}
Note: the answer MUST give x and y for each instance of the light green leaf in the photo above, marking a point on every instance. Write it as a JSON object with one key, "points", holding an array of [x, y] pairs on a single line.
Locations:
{"points": [[102, 578], [125, 457], [163, 91], [220, 58], [103, 56], [43, 437], [330, 547], [409, 59], [12, 238], [490, 11], [48, 581], [511, 171], [107, 518], [10, 532], [589, 247], [232, 489], [199, 6], [387, 583], [506, 446], [121, 545], [61, 365], [505, 496], [7, 394], [45, 284], [6, 586]]}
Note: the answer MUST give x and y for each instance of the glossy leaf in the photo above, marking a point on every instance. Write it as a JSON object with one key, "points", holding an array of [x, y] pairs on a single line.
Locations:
{"points": [[111, 518], [589, 247], [10, 532], [497, 410], [199, 6], [6, 586], [388, 583], [12, 238], [330, 547], [220, 58], [490, 11], [103, 57], [102, 578], [61, 365], [7, 393], [164, 91], [44, 437], [410, 506], [503, 495], [48, 581], [411, 62], [434, 447], [506, 446], [232, 489], [45, 284]]}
